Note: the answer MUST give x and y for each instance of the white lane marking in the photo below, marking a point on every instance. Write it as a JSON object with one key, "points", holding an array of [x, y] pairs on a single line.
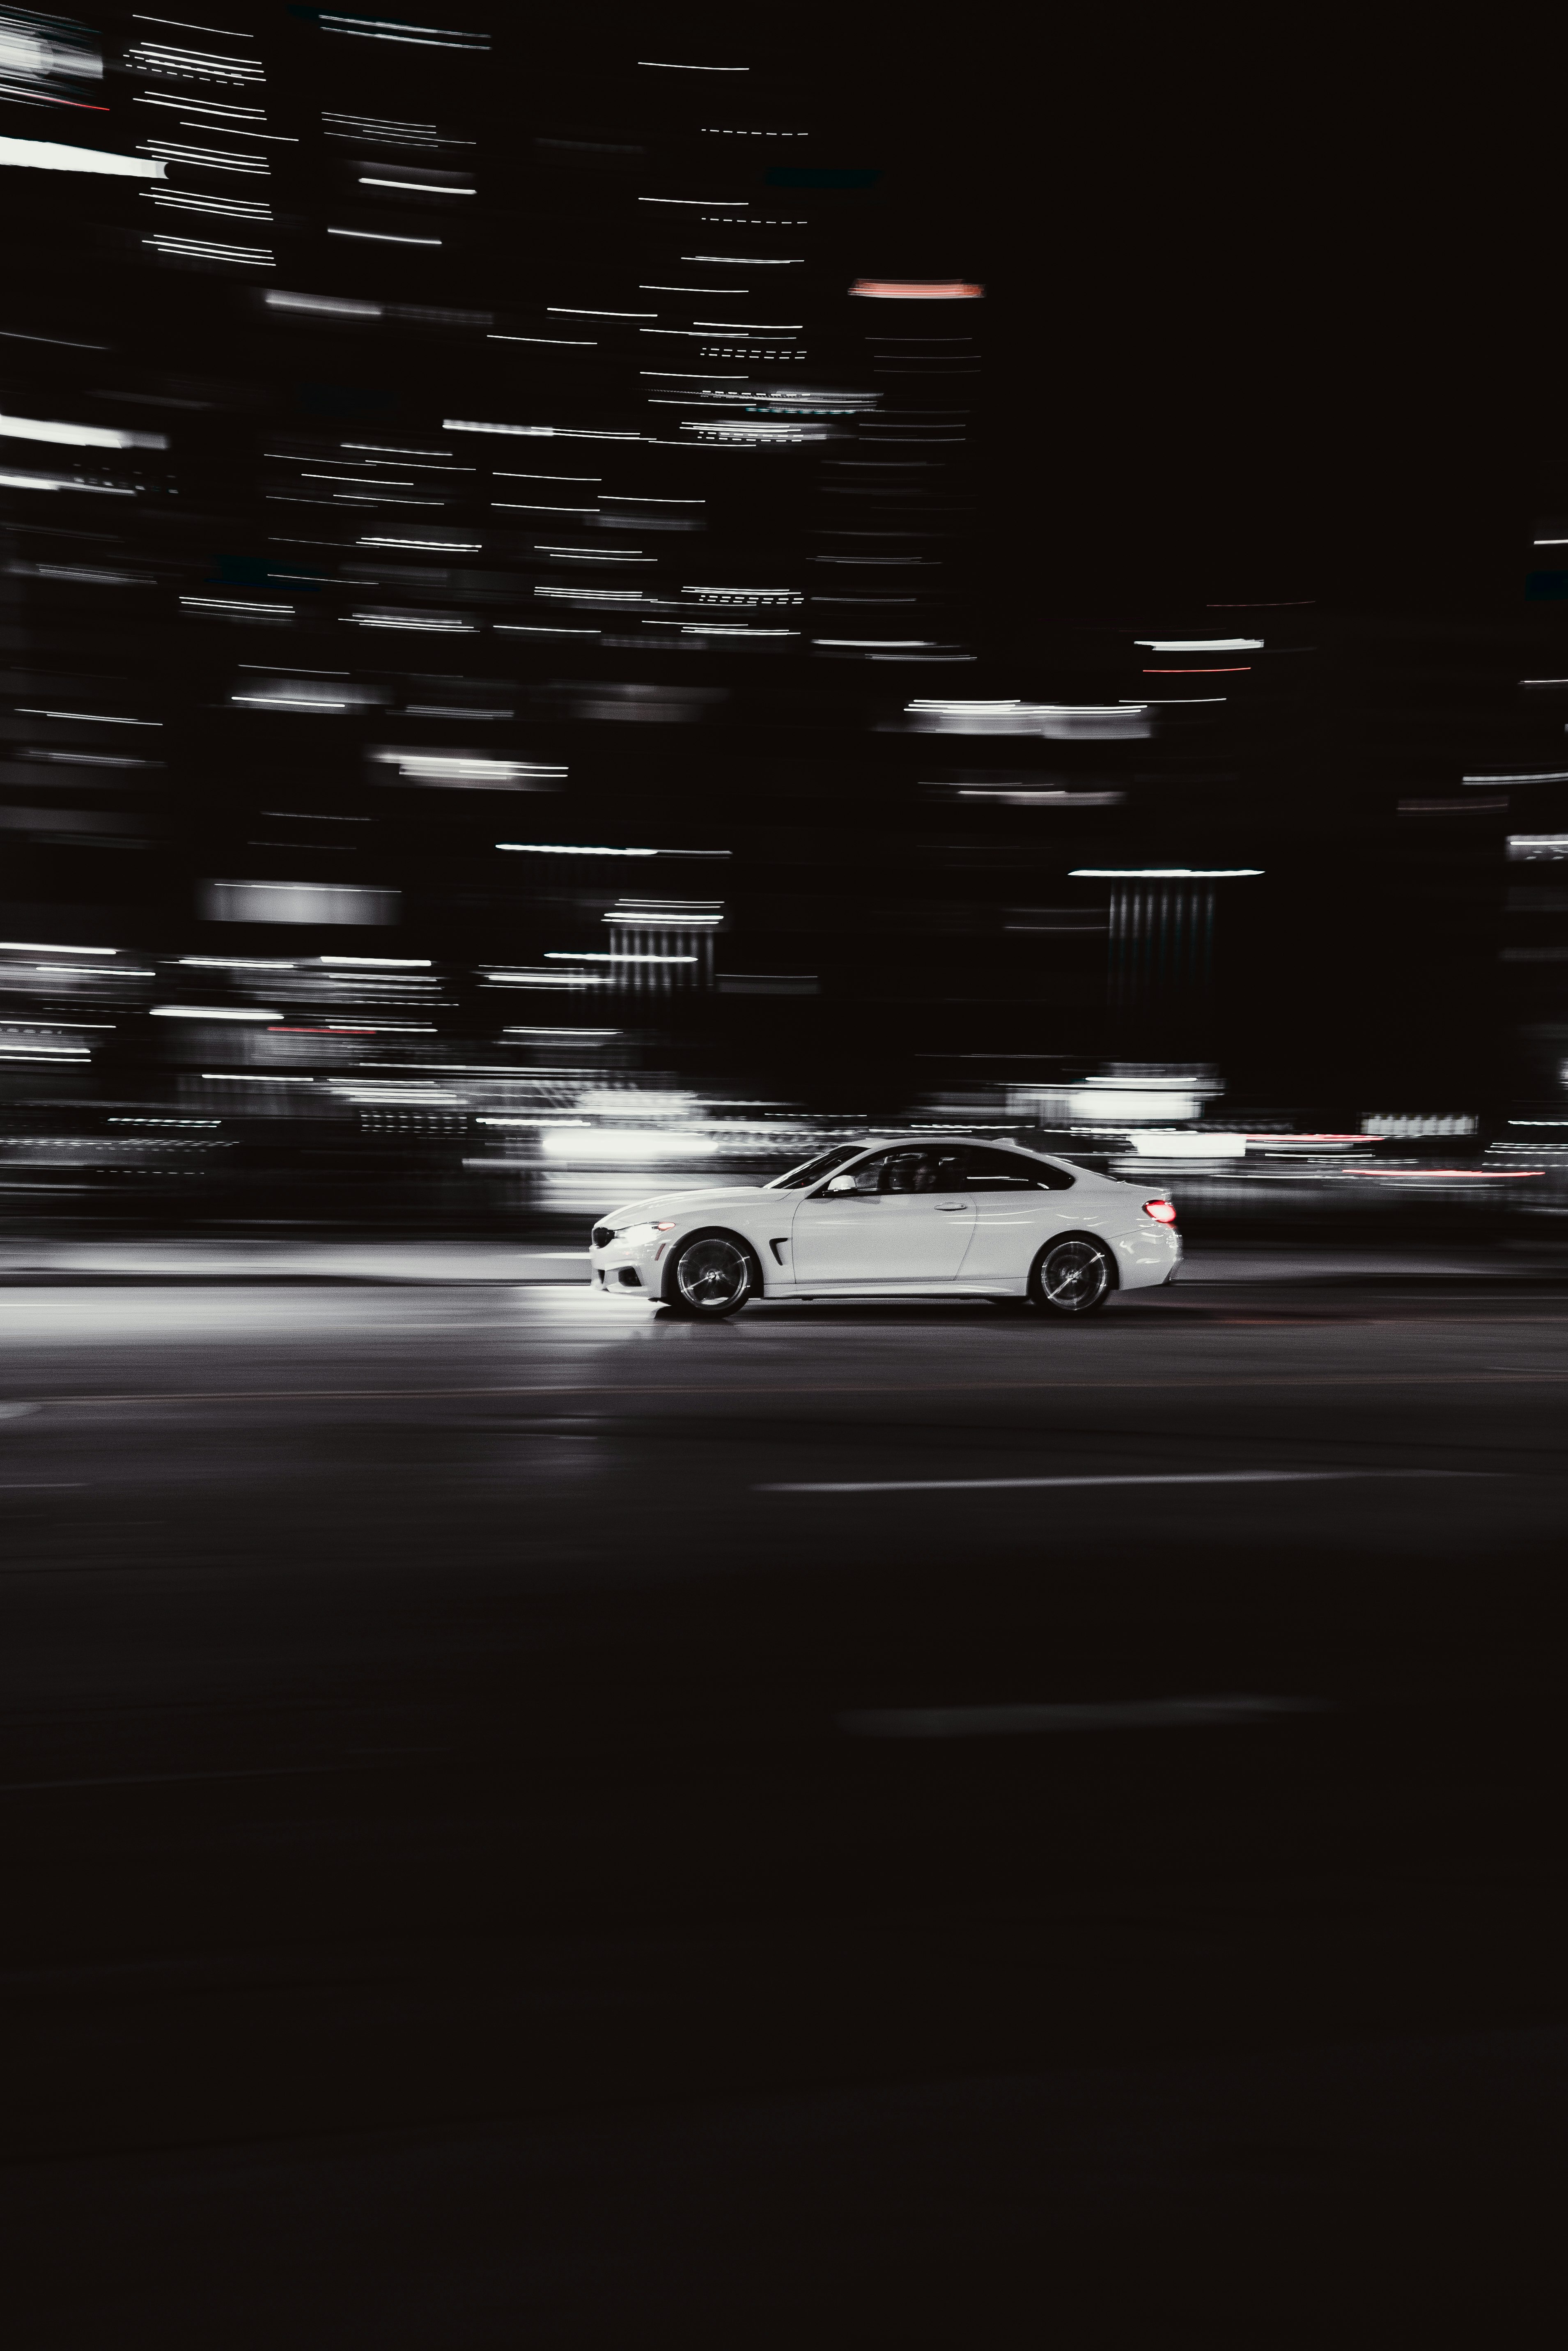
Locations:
{"points": [[16, 1411], [44, 1486], [1173, 1478], [1116, 1714]]}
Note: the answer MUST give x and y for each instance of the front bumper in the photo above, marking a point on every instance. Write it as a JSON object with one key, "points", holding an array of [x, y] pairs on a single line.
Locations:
{"points": [[623, 1269]]}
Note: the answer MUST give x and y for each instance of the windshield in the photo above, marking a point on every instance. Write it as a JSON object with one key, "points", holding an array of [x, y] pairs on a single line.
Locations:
{"points": [[815, 1169]]}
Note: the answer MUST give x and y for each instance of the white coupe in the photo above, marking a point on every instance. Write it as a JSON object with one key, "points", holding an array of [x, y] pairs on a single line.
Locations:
{"points": [[916, 1216]]}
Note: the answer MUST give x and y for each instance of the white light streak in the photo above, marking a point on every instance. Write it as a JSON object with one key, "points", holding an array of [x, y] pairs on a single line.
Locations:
{"points": [[287, 702], [232, 604], [535, 432], [93, 717], [195, 250], [388, 29], [434, 767], [53, 155], [80, 436], [208, 159], [417, 188], [61, 482], [208, 1012], [410, 620], [329, 303], [380, 237], [221, 207], [379, 449], [1536, 776]]}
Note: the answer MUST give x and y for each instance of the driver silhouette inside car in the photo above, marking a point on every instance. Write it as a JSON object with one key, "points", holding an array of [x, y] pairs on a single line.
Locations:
{"points": [[914, 1171]]}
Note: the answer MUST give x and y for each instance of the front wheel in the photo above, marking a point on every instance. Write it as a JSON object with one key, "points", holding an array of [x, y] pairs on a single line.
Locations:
{"points": [[1071, 1277], [712, 1276]]}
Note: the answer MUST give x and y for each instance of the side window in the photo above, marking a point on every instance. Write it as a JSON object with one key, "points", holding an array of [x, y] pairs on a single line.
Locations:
{"points": [[996, 1171], [913, 1168], [1054, 1179], [914, 1171], [867, 1176], [1001, 1171]]}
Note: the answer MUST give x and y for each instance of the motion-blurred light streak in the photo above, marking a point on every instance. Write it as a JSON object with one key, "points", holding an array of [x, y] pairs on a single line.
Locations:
{"points": [[916, 290], [80, 436], [53, 155], [209, 1012]]}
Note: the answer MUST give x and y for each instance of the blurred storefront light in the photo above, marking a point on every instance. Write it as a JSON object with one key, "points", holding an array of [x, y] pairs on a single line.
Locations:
{"points": [[1158, 1142], [623, 1145]]}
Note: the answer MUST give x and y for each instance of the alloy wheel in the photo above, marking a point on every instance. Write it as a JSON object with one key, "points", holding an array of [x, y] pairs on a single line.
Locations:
{"points": [[1074, 1277], [712, 1275]]}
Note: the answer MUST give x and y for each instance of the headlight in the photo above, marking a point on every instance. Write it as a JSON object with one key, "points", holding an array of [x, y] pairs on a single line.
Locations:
{"points": [[642, 1232]]}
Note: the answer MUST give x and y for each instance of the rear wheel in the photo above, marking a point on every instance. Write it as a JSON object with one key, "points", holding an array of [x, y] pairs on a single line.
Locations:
{"points": [[712, 1276], [1071, 1277]]}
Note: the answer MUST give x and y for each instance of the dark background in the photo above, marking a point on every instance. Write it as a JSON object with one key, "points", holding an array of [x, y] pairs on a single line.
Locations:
{"points": [[1267, 338]]}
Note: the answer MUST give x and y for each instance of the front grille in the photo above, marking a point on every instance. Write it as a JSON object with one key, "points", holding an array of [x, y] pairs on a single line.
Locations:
{"points": [[602, 1236]]}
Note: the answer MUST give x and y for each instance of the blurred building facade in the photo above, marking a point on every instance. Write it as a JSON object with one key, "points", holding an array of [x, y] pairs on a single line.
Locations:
{"points": [[511, 578]]}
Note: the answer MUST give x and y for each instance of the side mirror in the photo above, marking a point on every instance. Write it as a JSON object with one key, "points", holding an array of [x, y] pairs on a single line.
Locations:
{"points": [[841, 1183]]}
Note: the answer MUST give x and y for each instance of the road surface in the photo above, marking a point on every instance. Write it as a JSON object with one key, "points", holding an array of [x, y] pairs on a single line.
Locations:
{"points": [[531, 1821]]}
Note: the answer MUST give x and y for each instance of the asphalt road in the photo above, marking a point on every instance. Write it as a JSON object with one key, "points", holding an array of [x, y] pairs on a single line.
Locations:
{"points": [[529, 1820]]}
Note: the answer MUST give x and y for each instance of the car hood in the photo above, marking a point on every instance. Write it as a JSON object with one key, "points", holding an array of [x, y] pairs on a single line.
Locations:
{"points": [[679, 1204]]}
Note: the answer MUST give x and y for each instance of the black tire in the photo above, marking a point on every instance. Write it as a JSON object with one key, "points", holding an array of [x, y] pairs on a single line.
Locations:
{"points": [[712, 1275], [1072, 1275]]}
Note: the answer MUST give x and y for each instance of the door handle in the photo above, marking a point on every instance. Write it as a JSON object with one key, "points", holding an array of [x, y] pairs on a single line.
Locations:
{"points": [[951, 1207]]}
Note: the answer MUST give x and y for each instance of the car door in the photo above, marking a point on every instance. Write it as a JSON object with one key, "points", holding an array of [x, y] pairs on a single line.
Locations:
{"points": [[902, 1221], [1017, 1203]]}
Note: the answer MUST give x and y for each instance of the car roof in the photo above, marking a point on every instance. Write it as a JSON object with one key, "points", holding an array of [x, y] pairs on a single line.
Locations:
{"points": [[949, 1137]]}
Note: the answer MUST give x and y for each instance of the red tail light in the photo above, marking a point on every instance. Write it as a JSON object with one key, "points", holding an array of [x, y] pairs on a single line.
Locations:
{"points": [[1162, 1211]]}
